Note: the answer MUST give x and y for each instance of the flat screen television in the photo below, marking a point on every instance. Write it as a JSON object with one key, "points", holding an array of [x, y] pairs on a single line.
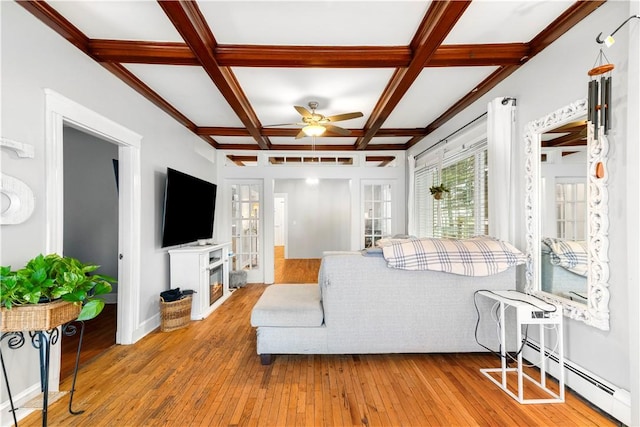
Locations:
{"points": [[189, 209]]}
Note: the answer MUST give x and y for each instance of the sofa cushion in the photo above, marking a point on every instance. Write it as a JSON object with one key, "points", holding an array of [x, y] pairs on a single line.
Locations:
{"points": [[289, 305], [476, 256]]}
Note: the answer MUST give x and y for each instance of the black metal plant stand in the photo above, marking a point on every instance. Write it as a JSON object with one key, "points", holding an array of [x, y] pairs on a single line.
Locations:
{"points": [[42, 341]]}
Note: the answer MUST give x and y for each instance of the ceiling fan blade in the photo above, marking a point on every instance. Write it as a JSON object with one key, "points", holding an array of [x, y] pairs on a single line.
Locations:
{"points": [[337, 129], [345, 116], [301, 134], [303, 111]]}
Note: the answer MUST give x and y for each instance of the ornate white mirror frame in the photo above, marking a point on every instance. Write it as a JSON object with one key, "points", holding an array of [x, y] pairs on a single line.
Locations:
{"points": [[596, 311]]}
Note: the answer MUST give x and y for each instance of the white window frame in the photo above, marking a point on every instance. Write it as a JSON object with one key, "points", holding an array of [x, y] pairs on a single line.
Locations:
{"points": [[577, 225]]}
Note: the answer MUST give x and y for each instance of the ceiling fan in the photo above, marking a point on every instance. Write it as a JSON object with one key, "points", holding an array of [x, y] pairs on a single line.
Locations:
{"points": [[316, 124]]}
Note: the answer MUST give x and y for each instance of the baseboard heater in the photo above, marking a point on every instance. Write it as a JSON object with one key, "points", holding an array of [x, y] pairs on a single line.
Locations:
{"points": [[618, 404], [569, 367]]}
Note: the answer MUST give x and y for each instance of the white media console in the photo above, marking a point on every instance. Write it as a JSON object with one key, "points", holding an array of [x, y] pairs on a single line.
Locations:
{"points": [[204, 269]]}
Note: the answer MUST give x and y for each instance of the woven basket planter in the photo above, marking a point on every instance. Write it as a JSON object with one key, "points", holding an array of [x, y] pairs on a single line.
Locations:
{"points": [[175, 314], [38, 317]]}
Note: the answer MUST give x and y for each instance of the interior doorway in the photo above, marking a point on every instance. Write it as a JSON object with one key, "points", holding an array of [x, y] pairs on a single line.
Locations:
{"points": [[310, 217], [60, 112], [288, 270], [280, 222], [91, 232]]}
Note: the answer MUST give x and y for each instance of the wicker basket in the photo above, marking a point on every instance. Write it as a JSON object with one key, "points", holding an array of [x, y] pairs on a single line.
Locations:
{"points": [[38, 317], [175, 314]]}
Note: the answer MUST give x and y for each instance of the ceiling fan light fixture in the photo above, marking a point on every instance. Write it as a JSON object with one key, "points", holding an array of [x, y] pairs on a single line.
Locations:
{"points": [[313, 130]]}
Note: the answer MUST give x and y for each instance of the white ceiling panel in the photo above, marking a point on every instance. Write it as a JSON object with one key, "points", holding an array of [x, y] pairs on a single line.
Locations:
{"points": [[190, 90], [244, 140], [433, 89], [314, 23], [504, 21], [274, 92], [119, 20], [392, 140]]}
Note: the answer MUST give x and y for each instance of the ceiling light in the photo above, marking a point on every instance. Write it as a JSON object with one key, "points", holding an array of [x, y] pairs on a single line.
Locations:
{"points": [[313, 130]]}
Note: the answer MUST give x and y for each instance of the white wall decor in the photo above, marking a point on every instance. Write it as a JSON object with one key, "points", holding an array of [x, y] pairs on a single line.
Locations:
{"points": [[20, 196], [596, 312]]}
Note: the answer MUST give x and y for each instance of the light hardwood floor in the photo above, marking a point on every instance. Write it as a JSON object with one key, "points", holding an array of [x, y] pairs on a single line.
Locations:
{"points": [[294, 270], [99, 335], [209, 374]]}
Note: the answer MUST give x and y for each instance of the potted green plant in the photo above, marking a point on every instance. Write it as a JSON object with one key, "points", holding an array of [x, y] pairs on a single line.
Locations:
{"points": [[438, 190], [52, 282]]}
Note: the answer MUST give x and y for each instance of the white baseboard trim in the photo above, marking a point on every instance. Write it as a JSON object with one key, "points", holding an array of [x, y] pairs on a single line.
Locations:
{"points": [[111, 298], [146, 327], [6, 418], [601, 393]]}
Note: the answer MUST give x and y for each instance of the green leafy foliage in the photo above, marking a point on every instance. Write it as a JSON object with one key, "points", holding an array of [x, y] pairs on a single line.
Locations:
{"points": [[50, 277], [438, 189], [91, 309]]}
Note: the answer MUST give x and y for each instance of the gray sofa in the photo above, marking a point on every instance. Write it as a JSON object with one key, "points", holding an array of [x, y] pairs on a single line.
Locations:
{"points": [[362, 306]]}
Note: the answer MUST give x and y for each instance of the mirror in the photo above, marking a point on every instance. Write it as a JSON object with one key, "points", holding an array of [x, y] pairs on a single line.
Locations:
{"points": [[563, 210], [566, 214]]}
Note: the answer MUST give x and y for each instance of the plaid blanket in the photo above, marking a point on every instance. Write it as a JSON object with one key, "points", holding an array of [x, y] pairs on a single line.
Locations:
{"points": [[569, 254], [477, 256]]}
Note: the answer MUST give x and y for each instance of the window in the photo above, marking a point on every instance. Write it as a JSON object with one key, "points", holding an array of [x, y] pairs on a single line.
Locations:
{"points": [[571, 210], [376, 202], [297, 160], [463, 212]]}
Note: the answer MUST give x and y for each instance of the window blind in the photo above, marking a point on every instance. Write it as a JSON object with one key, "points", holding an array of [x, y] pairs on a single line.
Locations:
{"points": [[424, 178], [463, 212]]}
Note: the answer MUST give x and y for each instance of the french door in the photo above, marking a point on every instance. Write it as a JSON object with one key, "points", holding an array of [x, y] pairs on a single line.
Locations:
{"points": [[377, 212], [246, 228]]}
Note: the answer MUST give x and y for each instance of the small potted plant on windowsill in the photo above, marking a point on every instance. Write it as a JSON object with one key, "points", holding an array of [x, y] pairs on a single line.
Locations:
{"points": [[438, 190], [49, 291]]}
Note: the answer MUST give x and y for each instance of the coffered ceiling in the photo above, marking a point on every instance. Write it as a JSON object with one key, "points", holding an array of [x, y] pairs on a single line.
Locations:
{"points": [[231, 70]]}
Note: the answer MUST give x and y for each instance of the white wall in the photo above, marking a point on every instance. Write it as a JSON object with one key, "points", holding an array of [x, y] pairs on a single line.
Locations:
{"points": [[318, 216], [35, 58], [633, 207], [549, 81]]}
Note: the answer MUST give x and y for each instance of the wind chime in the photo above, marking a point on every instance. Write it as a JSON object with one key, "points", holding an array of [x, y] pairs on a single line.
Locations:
{"points": [[600, 85], [599, 104]]}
